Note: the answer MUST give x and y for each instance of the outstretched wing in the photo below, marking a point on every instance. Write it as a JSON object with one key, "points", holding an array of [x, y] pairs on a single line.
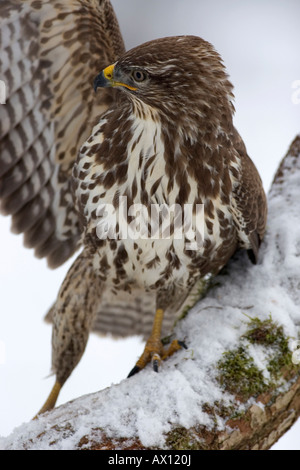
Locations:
{"points": [[51, 51], [249, 204]]}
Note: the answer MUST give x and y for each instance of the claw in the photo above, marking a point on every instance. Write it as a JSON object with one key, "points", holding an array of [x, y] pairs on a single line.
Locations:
{"points": [[133, 371], [156, 360], [182, 344], [154, 350]]}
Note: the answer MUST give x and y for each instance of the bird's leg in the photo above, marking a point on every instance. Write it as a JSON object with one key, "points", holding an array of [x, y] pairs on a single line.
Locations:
{"points": [[154, 351], [153, 348], [51, 400], [73, 315]]}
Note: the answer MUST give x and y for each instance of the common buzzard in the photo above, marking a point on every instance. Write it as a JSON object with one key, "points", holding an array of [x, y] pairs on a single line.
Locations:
{"points": [[151, 154]]}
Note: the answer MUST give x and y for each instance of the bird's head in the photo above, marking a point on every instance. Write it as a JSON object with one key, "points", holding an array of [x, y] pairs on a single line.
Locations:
{"points": [[182, 76]]}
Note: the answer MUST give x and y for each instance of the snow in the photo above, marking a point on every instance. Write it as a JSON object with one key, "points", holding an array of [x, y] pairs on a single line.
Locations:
{"points": [[263, 69], [149, 405]]}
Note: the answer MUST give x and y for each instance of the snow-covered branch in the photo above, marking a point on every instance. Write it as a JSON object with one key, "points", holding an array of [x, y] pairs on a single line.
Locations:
{"points": [[238, 384]]}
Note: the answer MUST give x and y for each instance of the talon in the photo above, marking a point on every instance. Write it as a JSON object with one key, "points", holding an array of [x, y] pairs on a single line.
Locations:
{"points": [[133, 371], [156, 360], [154, 351]]}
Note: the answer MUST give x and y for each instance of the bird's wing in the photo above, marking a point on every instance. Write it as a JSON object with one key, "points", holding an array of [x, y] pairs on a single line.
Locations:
{"points": [[249, 204], [50, 53], [124, 314]]}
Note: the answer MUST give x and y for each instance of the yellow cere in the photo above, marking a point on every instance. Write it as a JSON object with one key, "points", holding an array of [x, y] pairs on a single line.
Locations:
{"points": [[108, 73]]}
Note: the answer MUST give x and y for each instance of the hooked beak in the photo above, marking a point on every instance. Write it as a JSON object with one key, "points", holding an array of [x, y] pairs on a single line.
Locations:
{"points": [[107, 78]]}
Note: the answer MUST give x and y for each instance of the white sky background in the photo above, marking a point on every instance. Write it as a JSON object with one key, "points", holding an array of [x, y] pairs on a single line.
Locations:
{"points": [[259, 42]]}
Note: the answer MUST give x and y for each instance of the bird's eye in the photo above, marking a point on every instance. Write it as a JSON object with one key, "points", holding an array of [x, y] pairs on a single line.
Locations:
{"points": [[139, 75]]}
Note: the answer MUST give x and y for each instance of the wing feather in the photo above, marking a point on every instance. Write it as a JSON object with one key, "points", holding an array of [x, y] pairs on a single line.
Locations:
{"points": [[249, 203], [51, 51]]}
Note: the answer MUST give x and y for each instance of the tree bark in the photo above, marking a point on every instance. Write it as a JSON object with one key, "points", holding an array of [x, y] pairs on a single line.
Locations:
{"points": [[264, 404]]}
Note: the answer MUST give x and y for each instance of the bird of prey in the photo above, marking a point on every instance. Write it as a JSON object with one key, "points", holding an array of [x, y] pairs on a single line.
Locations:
{"points": [[158, 133]]}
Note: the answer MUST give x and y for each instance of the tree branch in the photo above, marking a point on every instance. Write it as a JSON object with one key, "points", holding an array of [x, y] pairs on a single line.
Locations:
{"points": [[238, 384]]}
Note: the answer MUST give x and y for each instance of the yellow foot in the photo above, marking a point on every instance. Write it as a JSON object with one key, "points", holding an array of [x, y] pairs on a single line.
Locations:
{"points": [[51, 400], [154, 351]]}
